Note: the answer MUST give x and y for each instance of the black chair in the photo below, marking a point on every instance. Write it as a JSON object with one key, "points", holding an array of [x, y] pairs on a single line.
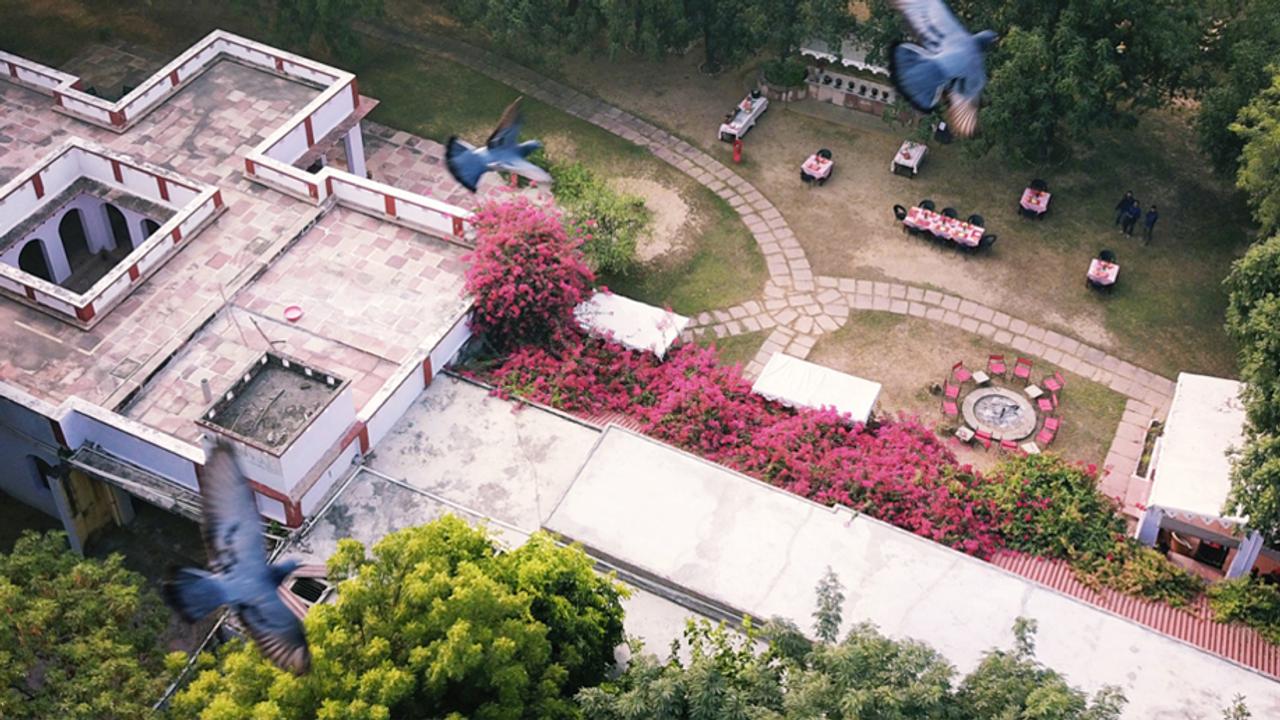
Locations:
{"points": [[899, 212], [928, 205], [951, 213], [825, 154], [1107, 256], [1039, 184], [986, 242], [977, 219], [839, 83]]}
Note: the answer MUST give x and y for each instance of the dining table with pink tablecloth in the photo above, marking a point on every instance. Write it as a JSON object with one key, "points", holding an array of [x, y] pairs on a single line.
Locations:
{"points": [[957, 231], [817, 166], [1102, 272], [1036, 201]]}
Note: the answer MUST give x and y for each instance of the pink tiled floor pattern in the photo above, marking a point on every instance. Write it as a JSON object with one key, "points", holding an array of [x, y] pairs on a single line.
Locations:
{"points": [[201, 133], [366, 283], [225, 347]]}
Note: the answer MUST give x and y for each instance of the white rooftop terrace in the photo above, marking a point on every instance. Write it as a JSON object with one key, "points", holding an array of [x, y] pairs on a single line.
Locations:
{"points": [[752, 547]]}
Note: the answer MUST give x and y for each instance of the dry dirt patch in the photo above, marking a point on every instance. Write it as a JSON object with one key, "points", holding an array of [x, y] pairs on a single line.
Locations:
{"points": [[670, 214]]}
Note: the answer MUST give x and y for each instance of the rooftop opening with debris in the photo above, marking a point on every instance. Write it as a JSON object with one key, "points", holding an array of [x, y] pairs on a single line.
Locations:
{"points": [[272, 402]]}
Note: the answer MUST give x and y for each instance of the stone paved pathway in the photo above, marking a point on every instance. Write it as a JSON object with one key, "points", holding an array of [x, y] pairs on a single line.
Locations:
{"points": [[798, 307]]}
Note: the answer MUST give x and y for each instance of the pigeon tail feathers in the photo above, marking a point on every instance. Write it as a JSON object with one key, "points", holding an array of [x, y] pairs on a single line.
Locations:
{"points": [[194, 593], [463, 164], [917, 76]]}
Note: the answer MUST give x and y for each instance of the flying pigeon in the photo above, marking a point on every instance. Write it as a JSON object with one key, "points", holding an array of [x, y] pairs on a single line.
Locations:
{"points": [[500, 152], [239, 576], [951, 61]]}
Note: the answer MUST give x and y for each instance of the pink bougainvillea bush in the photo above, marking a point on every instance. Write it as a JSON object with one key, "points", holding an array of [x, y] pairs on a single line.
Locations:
{"points": [[526, 275], [897, 471]]}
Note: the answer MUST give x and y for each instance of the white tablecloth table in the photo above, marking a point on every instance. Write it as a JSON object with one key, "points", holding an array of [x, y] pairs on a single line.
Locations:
{"points": [[1102, 272], [800, 383], [909, 157], [957, 231]]}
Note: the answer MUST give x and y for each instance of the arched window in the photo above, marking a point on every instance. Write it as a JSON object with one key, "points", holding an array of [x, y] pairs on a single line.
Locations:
{"points": [[32, 260], [74, 240], [119, 226], [149, 227]]}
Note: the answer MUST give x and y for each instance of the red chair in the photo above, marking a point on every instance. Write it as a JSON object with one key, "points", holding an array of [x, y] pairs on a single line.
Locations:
{"points": [[959, 372], [949, 408], [996, 366], [1055, 383], [1047, 403], [983, 438], [1048, 432], [1022, 369], [952, 391], [1009, 446]]}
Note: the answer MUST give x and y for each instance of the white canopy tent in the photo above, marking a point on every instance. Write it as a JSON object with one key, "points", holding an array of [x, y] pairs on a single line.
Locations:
{"points": [[630, 323], [852, 54], [1192, 473], [799, 383]]}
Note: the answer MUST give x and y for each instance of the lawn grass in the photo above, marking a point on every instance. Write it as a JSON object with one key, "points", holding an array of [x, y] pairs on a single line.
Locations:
{"points": [[736, 349], [903, 354]]}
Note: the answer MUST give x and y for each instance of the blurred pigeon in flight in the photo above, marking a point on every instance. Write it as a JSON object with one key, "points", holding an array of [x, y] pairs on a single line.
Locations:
{"points": [[241, 579], [951, 61], [500, 152]]}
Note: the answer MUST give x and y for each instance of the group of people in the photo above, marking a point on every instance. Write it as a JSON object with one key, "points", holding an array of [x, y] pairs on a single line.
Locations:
{"points": [[1128, 212]]}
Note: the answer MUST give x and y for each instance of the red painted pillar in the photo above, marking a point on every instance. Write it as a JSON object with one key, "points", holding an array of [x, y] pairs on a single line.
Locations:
{"points": [[737, 150]]}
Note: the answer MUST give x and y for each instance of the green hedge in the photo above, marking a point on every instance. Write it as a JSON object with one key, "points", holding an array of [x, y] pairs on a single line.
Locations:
{"points": [[609, 223], [1249, 601], [784, 73]]}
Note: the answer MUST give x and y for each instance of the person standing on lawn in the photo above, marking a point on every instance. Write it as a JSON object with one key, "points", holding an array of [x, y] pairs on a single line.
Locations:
{"points": [[1122, 207], [1131, 217], [1149, 224]]}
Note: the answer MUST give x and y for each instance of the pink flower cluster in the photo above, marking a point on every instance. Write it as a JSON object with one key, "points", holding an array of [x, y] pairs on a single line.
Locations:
{"points": [[525, 274], [897, 471]]}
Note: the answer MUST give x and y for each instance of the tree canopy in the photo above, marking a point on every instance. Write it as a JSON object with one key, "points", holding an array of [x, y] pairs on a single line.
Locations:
{"points": [[865, 676], [1258, 125], [434, 622], [79, 638], [1242, 39]]}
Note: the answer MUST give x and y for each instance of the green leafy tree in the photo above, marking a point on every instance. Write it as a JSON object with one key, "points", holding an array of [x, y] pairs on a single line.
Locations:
{"points": [[731, 30], [1242, 39], [323, 26], [826, 619], [1255, 484], [79, 638], [866, 676], [434, 622], [652, 28], [1258, 125], [791, 22], [1012, 684], [531, 29], [1073, 65]]}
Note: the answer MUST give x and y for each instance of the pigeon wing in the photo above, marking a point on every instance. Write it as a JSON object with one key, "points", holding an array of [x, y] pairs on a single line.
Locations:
{"points": [[963, 104], [526, 169], [276, 630], [232, 525], [508, 127], [931, 21]]}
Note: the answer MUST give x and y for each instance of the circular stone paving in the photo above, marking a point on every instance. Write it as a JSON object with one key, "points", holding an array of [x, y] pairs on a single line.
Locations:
{"points": [[1004, 413]]}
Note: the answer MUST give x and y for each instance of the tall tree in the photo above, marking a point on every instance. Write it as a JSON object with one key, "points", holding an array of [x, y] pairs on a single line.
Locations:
{"points": [[1258, 125], [79, 638], [651, 28], [1243, 38], [1076, 65], [791, 22], [730, 30], [531, 29], [435, 622]]}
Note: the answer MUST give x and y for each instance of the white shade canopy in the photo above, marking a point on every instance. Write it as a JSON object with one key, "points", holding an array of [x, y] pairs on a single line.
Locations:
{"points": [[630, 323], [799, 383], [852, 54], [1192, 472]]}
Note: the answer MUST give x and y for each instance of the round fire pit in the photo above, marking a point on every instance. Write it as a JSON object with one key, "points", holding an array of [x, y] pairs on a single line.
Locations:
{"points": [[1000, 411]]}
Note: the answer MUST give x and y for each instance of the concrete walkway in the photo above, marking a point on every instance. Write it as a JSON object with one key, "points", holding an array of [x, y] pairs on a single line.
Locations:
{"points": [[800, 307]]}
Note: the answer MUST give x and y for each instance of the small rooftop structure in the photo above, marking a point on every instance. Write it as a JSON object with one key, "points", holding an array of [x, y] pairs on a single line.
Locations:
{"points": [[272, 402], [718, 535], [630, 323], [799, 383], [1192, 472]]}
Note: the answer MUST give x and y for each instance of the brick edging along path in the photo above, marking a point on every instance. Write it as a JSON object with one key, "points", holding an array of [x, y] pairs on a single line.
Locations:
{"points": [[797, 307]]}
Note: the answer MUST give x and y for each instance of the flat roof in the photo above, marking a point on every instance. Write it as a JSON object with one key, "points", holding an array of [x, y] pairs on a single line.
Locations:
{"points": [[759, 549], [201, 133], [370, 290], [1193, 472]]}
